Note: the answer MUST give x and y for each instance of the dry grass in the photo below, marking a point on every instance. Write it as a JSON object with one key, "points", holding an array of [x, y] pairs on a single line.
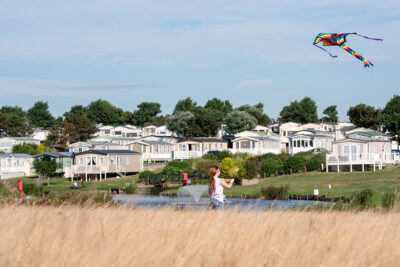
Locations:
{"points": [[68, 236]]}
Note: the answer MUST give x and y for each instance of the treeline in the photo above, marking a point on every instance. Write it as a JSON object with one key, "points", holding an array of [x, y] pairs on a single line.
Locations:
{"points": [[188, 118]]}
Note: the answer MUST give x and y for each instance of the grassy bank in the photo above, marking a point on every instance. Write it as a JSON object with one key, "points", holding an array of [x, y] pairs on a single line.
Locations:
{"points": [[63, 184], [66, 236]]}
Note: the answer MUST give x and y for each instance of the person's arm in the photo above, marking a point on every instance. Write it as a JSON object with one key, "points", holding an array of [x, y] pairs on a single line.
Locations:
{"points": [[224, 184]]}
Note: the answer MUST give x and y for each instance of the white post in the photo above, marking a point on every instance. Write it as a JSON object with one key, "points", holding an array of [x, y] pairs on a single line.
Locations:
{"points": [[362, 167]]}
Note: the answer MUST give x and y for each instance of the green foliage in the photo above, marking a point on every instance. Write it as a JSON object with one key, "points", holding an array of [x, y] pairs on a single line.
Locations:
{"points": [[364, 116], [185, 105], [203, 125], [331, 114], [77, 110], [257, 112], [269, 166], [314, 163], [218, 108], [178, 166], [266, 156], [14, 125], [203, 165], [301, 112], [33, 189], [102, 111], [180, 122], [238, 121], [388, 200], [226, 166], [210, 156], [275, 192], [391, 115], [17, 111], [296, 163], [145, 174], [362, 200], [40, 116], [251, 165], [74, 128], [45, 167], [224, 154], [130, 189], [30, 149], [146, 113], [77, 198]]}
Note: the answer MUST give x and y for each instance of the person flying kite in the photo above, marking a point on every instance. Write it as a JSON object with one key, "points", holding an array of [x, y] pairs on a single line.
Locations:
{"points": [[339, 39]]}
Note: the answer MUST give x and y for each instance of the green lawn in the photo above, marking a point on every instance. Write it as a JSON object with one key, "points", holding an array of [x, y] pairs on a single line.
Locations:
{"points": [[63, 184], [343, 184]]}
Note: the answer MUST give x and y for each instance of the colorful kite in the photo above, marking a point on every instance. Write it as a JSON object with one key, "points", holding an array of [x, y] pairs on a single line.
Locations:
{"points": [[339, 39]]}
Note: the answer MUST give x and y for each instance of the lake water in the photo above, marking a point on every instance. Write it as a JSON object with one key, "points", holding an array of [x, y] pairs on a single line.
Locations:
{"points": [[156, 202]]}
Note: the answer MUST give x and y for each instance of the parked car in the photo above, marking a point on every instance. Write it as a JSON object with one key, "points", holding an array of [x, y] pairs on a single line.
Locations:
{"points": [[318, 150]]}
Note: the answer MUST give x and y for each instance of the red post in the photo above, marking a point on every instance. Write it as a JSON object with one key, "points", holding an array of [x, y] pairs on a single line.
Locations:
{"points": [[185, 177], [20, 187]]}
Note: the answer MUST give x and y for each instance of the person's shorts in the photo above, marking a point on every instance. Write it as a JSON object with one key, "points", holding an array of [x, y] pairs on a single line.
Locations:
{"points": [[217, 205]]}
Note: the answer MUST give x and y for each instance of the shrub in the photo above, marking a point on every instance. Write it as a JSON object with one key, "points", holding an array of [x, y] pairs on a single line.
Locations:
{"points": [[388, 200], [314, 163], [33, 189], [226, 165], [251, 166], [275, 192], [269, 166], [362, 200], [210, 156], [130, 189], [224, 154], [296, 163], [204, 165], [145, 174], [178, 166], [267, 156]]}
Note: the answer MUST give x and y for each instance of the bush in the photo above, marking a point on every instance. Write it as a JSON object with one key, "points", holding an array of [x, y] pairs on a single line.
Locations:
{"points": [[130, 189], [296, 163], [178, 166], [145, 174], [251, 166], [388, 200], [203, 166], [269, 166], [224, 154], [362, 200], [267, 156], [226, 165], [77, 198], [33, 189], [210, 156], [314, 163], [275, 192]]}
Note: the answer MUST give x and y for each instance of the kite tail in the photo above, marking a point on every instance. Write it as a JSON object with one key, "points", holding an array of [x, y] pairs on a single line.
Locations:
{"points": [[367, 63], [325, 50], [369, 38]]}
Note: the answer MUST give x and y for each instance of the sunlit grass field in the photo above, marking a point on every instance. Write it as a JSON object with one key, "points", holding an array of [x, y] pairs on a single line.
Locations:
{"points": [[71, 236]]}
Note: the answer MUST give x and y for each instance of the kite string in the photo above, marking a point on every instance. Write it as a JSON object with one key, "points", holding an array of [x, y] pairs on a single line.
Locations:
{"points": [[369, 38], [325, 51]]}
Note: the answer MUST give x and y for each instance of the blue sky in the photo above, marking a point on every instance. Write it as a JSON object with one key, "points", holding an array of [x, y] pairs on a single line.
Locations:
{"points": [[127, 52]]}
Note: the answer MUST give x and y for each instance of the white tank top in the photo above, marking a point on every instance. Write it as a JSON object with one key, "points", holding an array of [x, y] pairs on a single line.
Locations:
{"points": [[218, 192]]}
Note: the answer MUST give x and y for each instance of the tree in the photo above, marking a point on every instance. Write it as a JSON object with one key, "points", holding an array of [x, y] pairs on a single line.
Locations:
{"points": [[218, 108], [29, 149], [185, 105], [331, 114], [13, 110], [203, 124], [238, 121], [257, 112], [364, 116], [102, 111], [180, 122], [77, 110], [391, 115], [45, 167], [14, 125], [146, 113], [301, 112], [73, 129], [40, 116]]}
